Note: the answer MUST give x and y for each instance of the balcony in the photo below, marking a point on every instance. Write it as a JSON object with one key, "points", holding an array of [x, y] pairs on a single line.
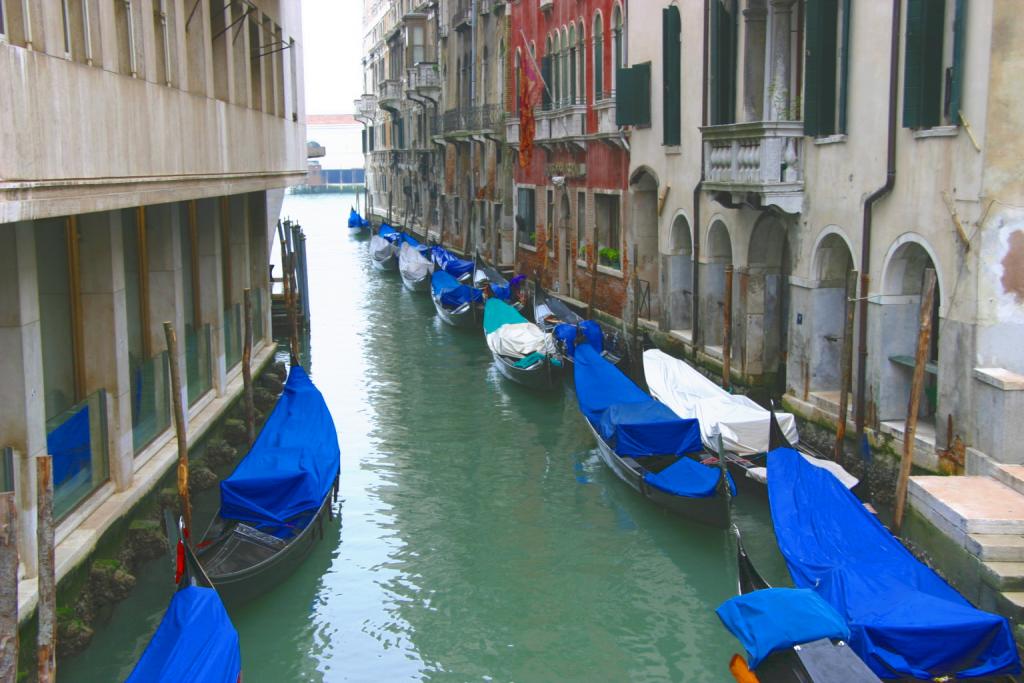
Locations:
{"points": [[758, 163], [546, 5], [390, 93], [512, 132], [569, 122], [605, 110], [314, 150], [428, 80], [484, 119], [462, 15], [366, 107]]}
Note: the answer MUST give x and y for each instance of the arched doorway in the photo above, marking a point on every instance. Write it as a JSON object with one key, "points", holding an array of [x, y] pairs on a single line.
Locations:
{"points": [[712, 272], [679, 268], [832, 264], [644, 200], [897, 328], [766, 304]]}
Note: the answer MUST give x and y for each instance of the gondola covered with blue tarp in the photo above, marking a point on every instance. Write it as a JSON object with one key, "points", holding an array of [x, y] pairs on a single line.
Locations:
{"points": [[274, 502], [355, 220], [904, 620], [456, 303], [450, 263], [646, 444], [194, 642]]}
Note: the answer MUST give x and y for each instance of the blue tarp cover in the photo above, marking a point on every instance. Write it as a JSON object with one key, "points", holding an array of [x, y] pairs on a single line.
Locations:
{"points": [[355, 220], [70, 446], [649, 428], [688, 478], [452, 292], [599, 384], [293, 464], [779, 618], [904, 620], [593, 334], [390, 234], [449, 262], [194, 642], [566, 333]]}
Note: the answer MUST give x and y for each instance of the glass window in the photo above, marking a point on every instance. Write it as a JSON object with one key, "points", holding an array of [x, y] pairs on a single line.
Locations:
{"points": [[526, 224], [581, 226], [606, 210], [549, 226], [55, 311]]}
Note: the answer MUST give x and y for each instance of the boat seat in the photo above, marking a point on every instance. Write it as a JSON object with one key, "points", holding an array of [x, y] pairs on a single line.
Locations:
{"points": [[244, 547], [830, 662], [257, 536]]}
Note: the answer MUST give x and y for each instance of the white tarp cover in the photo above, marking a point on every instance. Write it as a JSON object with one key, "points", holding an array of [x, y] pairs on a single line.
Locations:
{"points": [[518, 340], [744, 424], [380, 248], [413, 265]]}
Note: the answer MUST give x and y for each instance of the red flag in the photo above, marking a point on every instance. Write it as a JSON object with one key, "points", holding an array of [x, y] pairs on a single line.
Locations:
{"points": [[530, 84]]}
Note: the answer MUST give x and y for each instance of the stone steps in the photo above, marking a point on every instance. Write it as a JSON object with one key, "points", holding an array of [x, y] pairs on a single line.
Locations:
{"points": [[996, 547], [1009, 475], [968, 504], [1003, 576]]}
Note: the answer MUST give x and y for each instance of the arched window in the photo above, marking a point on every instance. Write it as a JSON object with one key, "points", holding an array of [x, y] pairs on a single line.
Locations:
{"points": [[518, 75], [565, 67], [556, 72], [616, 43], [581, 57], [598, 59], [572, 64], [501, 64], [545, 73]]}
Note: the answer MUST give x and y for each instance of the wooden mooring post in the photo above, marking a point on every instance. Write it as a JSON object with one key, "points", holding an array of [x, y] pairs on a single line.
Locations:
{"points": [[593, 286], [250, 407], [8, 587], [847, 363], [46, 642], [289, 295], [727, 330], [179, 426], [924, 336]]}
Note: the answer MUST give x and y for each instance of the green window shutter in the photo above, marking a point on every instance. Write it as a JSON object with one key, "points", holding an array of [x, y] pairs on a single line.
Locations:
{"points": [[633, 95], [723, 64], [364, 140], [844, 65], [545, 73], [957, 77], [819, 106], [922, 79], [671, 51]]}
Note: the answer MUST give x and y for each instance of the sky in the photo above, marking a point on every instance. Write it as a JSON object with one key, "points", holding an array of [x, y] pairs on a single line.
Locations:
{"points": [[332, 50]]}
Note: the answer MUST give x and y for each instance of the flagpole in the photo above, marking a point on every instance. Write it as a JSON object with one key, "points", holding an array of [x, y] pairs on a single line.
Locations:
{"points": [[533, 62]]}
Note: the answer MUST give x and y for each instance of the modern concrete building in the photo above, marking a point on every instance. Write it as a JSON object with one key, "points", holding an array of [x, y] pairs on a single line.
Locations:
{"points": [[570, 197], [142, 167], [772, 148]]}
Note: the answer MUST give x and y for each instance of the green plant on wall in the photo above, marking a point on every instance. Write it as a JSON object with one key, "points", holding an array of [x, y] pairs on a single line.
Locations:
{"points": [[609, 257]]}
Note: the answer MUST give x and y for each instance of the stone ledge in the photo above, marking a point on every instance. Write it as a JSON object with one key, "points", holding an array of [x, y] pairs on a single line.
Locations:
{"points": [[1000, 378]]}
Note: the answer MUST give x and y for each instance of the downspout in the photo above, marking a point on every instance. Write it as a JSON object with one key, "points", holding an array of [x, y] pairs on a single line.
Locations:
{"points": [[869, 203], [695, 257]]}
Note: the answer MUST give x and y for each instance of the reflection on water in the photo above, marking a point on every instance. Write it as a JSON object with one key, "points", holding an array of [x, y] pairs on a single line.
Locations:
{"points": [[480, 538]]}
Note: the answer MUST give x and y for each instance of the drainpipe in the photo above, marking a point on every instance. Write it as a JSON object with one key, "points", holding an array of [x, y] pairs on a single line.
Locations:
{"points": [[869, 203], [695, 256]]}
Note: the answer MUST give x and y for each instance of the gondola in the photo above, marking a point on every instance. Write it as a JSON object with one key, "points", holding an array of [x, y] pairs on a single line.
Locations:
{"points": [[273, 505], [905, 621], [195, 640], [457, 304], [748, 431], [768, 620], [647, 445], [459, 268], [550, 312], [413, 267], [488, 278], [522, 352], [355, 221], [384, 248]]}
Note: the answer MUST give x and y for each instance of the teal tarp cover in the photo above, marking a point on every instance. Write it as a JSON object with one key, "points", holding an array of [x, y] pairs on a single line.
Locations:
{"points": [[773, 619], [293, 464], [194, 642], [904, 620], [498, 313]]}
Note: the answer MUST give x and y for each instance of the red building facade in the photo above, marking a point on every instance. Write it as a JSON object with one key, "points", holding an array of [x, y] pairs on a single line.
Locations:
{"points": [[570, 199]]}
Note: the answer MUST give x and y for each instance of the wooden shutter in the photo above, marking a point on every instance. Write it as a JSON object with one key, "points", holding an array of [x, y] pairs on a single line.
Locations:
{"points": [[957, 77], [545, 73], [723, 64], [364, 140], [671, 26], [633, 95], [820, 80], [922, 77]]}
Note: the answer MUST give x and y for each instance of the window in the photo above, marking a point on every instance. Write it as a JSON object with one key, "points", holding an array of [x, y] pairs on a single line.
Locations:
{"points": [[125, 37], [518, 76], [581, 226], [419, 49], [3, 25], [827, 58], [572, 64], [722, 71], [606, 214], [616, 45], [581, 55], [933, 65], [255, 62], [545, 74], [526, 223], [555, 82], [162, 51], [549, 226], [671, 75], [598, 60], [66, 25]]}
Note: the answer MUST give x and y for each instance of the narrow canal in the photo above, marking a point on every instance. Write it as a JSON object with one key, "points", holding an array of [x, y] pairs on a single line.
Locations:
{"points": [[480, 539]]}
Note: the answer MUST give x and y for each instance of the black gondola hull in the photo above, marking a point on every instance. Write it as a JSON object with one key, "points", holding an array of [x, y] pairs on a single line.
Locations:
{"points": [[389, 263], [414, 285], [544, 376], [465, 318], [713, 510]]}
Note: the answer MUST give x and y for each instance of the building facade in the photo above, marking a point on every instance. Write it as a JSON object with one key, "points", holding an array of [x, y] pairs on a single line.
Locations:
{"points": [[141, 176]]}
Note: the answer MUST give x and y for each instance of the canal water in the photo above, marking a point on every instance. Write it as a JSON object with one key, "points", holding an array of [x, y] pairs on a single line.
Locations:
{"points": [[480, 537]]}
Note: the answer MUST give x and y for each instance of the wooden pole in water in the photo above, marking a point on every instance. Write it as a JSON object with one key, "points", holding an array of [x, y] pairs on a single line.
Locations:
{"points": [[250, 408], [593, 286], [847, 363], [916, 386], [8, 587], [636, 308], [288, 300], [727, 329], [46, 643], [179, 425]]}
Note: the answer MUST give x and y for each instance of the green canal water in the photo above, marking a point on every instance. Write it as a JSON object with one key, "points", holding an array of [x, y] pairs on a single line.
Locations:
{"points": [[480, 538]]}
